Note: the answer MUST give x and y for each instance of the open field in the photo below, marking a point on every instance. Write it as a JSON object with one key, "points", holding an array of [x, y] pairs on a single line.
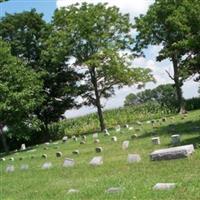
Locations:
{"points": [[136, 180]]}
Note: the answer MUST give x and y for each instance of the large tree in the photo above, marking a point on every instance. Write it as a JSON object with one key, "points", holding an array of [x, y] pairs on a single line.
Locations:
{"points": [[100, 40], [164, 25], [27, 34], [20, 92]]}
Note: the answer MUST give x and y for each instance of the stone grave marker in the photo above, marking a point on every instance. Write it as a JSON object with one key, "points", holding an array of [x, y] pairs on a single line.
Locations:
{"points": [[47, 165], [10, 168], [23, 147], [99, 149], [155, 140], [58, 154], [96, 161], [68, 162], [24, 167], [114, 139], [176, 140], [114, 190], [64, 139], [95, 135], [164, 186], [125, 144], [133, 158], [76, 152], [70, 191]]}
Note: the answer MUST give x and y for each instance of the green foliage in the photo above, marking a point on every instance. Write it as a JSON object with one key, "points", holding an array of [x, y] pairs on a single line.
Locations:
{"points": [[164, 95], [20, 90], [193, 103]]}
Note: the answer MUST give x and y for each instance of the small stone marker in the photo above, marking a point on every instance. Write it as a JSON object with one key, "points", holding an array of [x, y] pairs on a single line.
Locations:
{"points": [[125, 145], [24, 167], [70, 191], [23, 147], [74, 138], [68, 162], [82, 142], [96, 141], [47, 165], [126, 125], [44, 156], [139, 123], [47, 143], [3, 159], [11, 159], [155, 140], [76, 152], [58, 154], [84, 137], [10, 168], [32, 150], [176, 139], [134, 136], [117, 128], [106, 133], [99, 149], [172, 153], [64, 139], [164, 186], [95, 135], [114, 139], [114, 190], [130, 128], [132, 158], [97, 161]]}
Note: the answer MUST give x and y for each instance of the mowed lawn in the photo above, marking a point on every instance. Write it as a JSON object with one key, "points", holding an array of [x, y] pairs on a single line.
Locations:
{"points": [[136, 180]]}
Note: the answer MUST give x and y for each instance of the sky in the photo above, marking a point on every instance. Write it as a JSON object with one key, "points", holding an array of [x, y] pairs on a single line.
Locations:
{"points": [[134, 8]]}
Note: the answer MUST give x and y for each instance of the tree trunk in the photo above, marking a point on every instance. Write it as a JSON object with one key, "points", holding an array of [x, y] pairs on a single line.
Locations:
{"points": [[3, 139], [97, 100], [178, 84]]}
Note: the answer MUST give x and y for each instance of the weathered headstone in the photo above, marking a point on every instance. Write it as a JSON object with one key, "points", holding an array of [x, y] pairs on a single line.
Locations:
{"points": [[70, 191], [3, 159], [76, 152], [47, 143], [74, 138], [58, 154], [114, 190], [106, 133], [96, 161], [155, 140], [44, 156], [10, 168], [47, 165], [11, 159], [134, 136], [99, 149], [84, 137], [68, 162], [117, 128], [172, 153], [126, 125], [164, 186], [125, 145], [64, 139], [23, 147], [82, 142], [175, 139], [130, 128], [132, 158], [96, 141], [114, 139], [95, 135], [24, 167]]}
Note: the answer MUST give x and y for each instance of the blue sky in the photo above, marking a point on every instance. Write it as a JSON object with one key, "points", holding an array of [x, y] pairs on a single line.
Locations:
{"points": [[134, 8]]}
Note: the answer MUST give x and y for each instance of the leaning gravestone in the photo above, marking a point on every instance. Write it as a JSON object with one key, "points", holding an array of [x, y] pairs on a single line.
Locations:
{"points": [[114, 190], [175, 139], [10, 168], [47, 165], [172, 153], [24, 167], [155, 140], [68, 162], [164, 186], [125, 145], [132, 158], [96, 161], [23, 147]]}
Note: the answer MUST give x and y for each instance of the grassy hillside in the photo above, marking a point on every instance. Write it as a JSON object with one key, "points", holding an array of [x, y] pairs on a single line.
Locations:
{"points": [[136, 180]]}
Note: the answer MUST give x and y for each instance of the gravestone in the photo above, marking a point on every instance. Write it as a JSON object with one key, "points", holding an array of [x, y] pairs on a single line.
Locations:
{"points": [[64, 139], [3, 159], [76, 152], [32, 150], [82, 142], [155, 140], [74, 138], [125, 145], [70, 191], [84, 137], [114, 190], [175, 139], [47, 143], [96, 161], [96, 141], [68, 162], [117, 128], [106, 133], [23, 147], [95, 135], [58, 154], [10, 168], [44, 156], [126, 125], [47, 165], [24, 167], [114, 139], [134, 136], [172, 153], [164, 186], [11, 159], [130, 128], [132, 158], [99, 149]]}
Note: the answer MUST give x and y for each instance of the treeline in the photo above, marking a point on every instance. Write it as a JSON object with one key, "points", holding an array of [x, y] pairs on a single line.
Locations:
{"points": [[86, 51]]}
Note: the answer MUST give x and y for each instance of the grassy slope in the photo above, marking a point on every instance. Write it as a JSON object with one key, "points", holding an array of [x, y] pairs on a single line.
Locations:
{"points": [[136, 180]]}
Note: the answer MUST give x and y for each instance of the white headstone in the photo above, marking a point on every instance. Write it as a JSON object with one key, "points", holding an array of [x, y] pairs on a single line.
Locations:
{"points": [[155, 140], [64, 139], [132, 158], [47, 165], [23, 147], [106, 133], [76, 152], [96, 141], [24, 167], [11, 159], [10, 168], [117, 128], [176, 139], [125, 145], [126, 125], [3, 159], [68, 162], [95, 135], [99, 149], [96, 161], [70, 191], [58, 154], [164, 186], [130, 128], [114, 139], [114, 190]]}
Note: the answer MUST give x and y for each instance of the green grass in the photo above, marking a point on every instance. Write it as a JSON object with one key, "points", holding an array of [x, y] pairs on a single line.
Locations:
{"points": [[136, 180]]}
